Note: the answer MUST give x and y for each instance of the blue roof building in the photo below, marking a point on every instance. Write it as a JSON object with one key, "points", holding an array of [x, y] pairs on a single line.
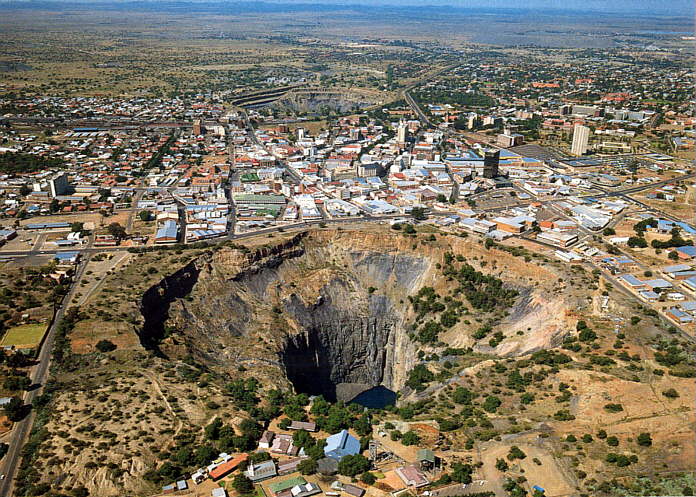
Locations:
{"points": [[341, 444], [70, 257], [687, 251]]}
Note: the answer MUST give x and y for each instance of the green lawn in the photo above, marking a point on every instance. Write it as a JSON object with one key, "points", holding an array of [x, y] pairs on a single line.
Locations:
{"points": [[24, 336]]}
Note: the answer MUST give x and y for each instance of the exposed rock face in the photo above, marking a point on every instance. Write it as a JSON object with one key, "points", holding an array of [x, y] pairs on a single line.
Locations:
{"points": [[333, 318], [339, 354], [156, 301]]}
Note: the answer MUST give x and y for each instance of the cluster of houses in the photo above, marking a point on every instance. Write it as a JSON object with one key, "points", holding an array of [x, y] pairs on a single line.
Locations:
{"points": [[286, 459], [678, 282]]}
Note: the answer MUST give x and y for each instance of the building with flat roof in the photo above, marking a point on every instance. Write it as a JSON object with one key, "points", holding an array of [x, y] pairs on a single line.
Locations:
{"points": [[491, 163], [581, 137]]}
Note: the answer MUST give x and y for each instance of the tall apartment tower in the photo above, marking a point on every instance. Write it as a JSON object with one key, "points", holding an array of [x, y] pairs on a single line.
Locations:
{"points": [[491, 161], [401, 133], [197, 127], [581, 136]]}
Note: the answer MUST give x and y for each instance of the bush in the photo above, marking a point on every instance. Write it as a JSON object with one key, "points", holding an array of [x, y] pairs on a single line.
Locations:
{"points": [[670, 393], [612, 441], [307, 467], [644, 440], [410, 438], [105, 346], [242, 484], [418, 377], [613, 407], [491, 403], [368, 478], [563, 415], [352, 465], [515, 453]]}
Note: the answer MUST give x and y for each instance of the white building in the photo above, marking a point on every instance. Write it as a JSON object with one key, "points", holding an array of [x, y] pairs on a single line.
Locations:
{"points": [[581, 136]]}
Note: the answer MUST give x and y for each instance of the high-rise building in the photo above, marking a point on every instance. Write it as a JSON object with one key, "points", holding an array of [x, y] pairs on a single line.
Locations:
{"points": [[58, 185], [507, 140], [401, 133], [491, 161], [581, 136], [197, 128]]}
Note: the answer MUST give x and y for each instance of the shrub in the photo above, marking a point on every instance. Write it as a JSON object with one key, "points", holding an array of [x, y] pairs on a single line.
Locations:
{"points": [[368, 478], [613, 407], [515, 453], [670, 393], [307, 467], [644, 440], [352, 465], [242, 484], [410, 438], [563, 415], [105, 346], [491, 403]]}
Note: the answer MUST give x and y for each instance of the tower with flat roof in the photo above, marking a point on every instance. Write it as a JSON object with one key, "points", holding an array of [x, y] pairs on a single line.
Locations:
{"points": [[491, 163], [581, 136]]}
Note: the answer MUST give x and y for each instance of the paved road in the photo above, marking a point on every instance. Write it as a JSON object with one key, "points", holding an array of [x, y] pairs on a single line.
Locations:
{"points": [[21, 429]]}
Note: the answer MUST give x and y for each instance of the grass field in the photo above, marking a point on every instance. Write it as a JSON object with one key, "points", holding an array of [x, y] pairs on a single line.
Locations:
{"points": [[25, 336]]}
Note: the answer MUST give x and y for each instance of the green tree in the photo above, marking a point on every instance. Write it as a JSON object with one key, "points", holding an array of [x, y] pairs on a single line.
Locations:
{"points": [[515, 453], [242, 484], [410, 438], [117, 231], [14, 409], [418, 213], [462, 395], [461, 473], [307, 467], [352, 465], [501, 465], [491, 403], [212, 431], [644, 440], [670, 393]]}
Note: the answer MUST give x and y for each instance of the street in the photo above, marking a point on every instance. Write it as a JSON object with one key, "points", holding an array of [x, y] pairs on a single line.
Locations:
{"points": [[39, 375]]}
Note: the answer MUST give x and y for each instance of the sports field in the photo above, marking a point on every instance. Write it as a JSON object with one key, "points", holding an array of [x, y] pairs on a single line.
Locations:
{"points": [[26, 336]]}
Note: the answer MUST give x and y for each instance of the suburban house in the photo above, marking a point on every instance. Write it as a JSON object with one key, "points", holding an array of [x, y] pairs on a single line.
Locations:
{"points": [[289, 466], [412, 476], [266, 440], [303, 425], [353, 490], [282, 444]]}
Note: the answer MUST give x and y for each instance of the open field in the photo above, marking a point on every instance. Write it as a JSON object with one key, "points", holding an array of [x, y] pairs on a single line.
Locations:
{"points": [[26, 336]]}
